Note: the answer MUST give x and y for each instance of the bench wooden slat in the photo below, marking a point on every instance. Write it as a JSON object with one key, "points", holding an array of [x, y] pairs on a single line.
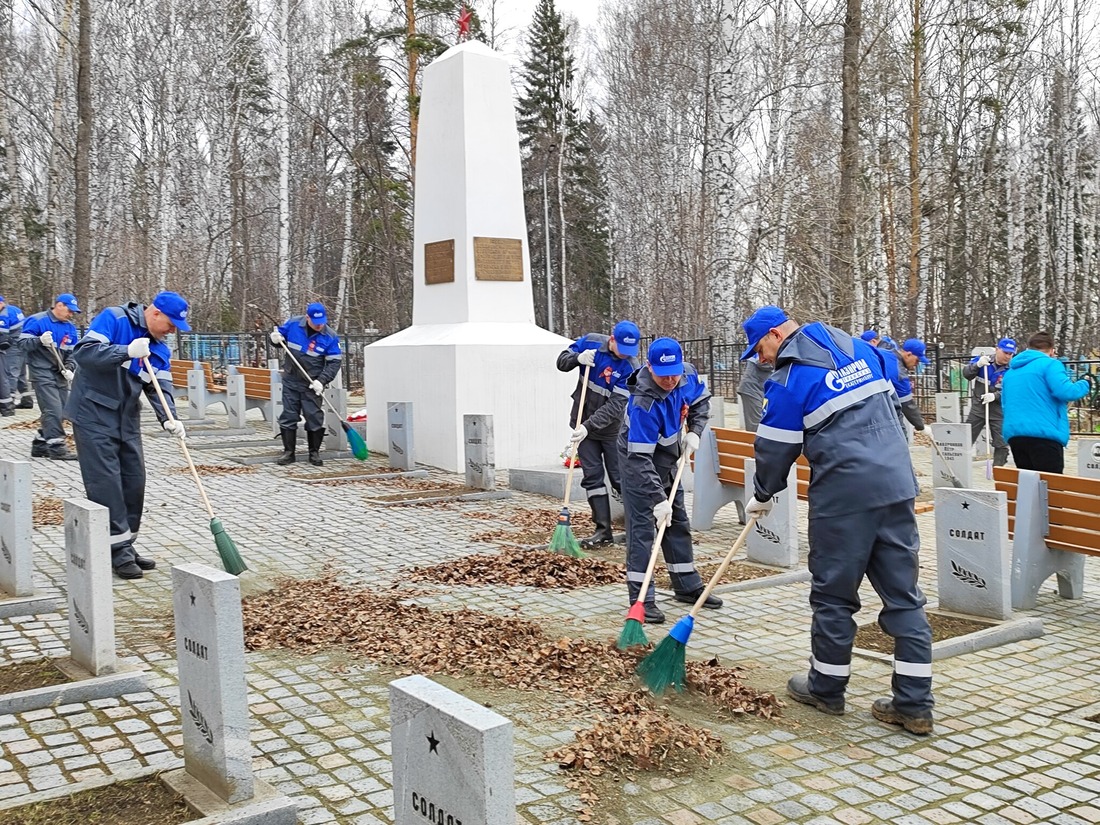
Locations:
{"points": [[257, 382], [732, 476]]}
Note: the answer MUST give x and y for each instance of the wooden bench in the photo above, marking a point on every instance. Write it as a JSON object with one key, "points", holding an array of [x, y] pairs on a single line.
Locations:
{"points": [[1053, 522], [253, 388], [195, 381]]}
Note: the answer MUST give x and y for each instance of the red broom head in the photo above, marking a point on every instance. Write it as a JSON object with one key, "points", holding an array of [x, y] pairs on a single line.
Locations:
{"points": [[636, 612]]}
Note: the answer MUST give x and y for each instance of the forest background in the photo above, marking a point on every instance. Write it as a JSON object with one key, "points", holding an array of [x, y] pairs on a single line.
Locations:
{"points": [[928, 167]]}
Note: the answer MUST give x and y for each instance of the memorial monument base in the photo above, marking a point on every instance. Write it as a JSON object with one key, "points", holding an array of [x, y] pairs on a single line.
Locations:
{"points": [[506, 370], [81, 687], [27, 605], [266, 807]]}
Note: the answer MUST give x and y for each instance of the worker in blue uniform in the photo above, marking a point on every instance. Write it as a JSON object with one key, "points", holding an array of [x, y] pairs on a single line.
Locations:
{"points": [[897, 366], [985, 373], [47, 341], [105, 410], [7, 403], [316, 347], [11, 325], [829, 399], [664, 394], [611, 359]]}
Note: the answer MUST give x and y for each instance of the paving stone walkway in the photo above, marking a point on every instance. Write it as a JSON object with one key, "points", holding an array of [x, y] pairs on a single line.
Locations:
{"points": [[1012, 744]]}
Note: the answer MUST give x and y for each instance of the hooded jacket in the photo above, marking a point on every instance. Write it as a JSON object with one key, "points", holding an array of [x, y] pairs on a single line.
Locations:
{"points": [[1035, 393], [829, 398]]}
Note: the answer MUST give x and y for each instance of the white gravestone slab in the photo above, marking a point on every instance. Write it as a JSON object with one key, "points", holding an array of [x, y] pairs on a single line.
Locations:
{"points": [[213, 692], [954, 444], [16, 561], [974, 558], [480, 455], [947, 408], [774, 539], [1088, 458], [335, 437], [452, 758], [88, 579], [399, 419]]}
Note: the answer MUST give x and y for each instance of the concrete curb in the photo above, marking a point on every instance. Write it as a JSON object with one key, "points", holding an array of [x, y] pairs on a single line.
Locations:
{"points": [[778, 580], [28, 606], [366, 477], [1002, 633], [486, 496], [260, 443], [266, 807], [327, 455], [128, 679], [63, 791]]}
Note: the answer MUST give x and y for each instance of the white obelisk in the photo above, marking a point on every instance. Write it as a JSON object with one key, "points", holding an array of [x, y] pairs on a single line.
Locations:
{"points": [[473, 348]]}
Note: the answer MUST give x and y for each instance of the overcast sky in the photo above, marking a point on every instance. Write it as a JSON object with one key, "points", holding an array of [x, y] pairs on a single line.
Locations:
{"points": [[515, 18]]}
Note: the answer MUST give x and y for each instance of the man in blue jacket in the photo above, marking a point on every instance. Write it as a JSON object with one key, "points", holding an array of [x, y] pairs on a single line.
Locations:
{"points": [[7, 403], [897, 364], [829, 399], [610, 360], [11, 326], [1036, 393], [317, 348], [105, 409], [47, 341], [664, 395], [985, 374]]}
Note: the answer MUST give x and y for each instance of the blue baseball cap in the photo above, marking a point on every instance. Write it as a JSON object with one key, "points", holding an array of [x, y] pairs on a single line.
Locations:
{"points": [[756, 326], [1005, 344], [626, 337], [869, 335], [666, 357], [68, 299], [316, 313], [175, 306], [915, 346]]}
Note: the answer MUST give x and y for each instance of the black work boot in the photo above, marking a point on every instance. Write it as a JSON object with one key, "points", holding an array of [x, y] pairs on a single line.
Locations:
{"points": [[601, 515], [290, 442], [39, 449], [59, 452], [920, 724], [1000, 456], [7, 408], [27, 403], [314, 438], [653, 614], [798, 688]]}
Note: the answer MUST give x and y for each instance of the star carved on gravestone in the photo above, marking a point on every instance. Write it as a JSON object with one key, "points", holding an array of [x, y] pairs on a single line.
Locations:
{"points": [[192, 598], [966, 505], [433, 743]]}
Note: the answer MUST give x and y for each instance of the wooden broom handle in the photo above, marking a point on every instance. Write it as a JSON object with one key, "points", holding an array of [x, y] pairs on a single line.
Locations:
{"points": [[576, 444], [661, 530], [183, 445], [721, 571]]}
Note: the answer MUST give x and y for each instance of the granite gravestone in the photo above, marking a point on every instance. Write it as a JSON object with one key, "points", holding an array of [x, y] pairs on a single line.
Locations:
{"points": [[947, 408], [399, 419], [213, 692], [336, 411], [954, 443], [16, 562], [774, 539], [480, 456], [88, 579], [452, 758], [1088, 458], [973, 555]]}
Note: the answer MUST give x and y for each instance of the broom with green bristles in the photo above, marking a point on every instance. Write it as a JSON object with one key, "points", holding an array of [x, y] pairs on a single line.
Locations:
{"points": [[227, 548], [667, 664], [563, 540], [633, 633]]}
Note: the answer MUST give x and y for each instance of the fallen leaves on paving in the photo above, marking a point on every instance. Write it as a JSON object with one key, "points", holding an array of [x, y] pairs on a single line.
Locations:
{"points": [[215, 470], [48, 511], [525, 568]]}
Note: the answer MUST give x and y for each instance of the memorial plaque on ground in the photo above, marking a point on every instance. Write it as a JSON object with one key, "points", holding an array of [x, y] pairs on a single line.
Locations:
{"points": [[498, 259], [16, 563], [452, 758], [88, 579], [947, 408], [213, 692], [439, 262], [1088, 458], [974, 560], [399, 421], [774, 540], [954, 444], [480, 455]]}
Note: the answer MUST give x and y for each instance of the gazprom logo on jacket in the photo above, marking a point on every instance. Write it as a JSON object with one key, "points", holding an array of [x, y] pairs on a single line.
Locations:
{"points": [[847, 377]]}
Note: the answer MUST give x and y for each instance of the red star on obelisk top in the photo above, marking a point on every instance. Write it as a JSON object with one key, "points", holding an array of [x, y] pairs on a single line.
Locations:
{"points": [[464, 24]]}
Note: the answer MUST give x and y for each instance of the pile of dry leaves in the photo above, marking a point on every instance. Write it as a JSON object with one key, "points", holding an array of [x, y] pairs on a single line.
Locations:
{"points": [[215, 470], [47, 511], [526, 568], [636, 734], [533, 526], [25, 425]]}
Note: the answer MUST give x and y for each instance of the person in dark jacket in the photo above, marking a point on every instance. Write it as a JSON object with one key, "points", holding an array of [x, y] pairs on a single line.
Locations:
{"points": [[1036, 394], [47, 341], [316, 347], [610, 360], [984, 374], [11, 326], [105, 409], [751, 391], [830, 400], [7, 403], [898, 364], [664, 395]]}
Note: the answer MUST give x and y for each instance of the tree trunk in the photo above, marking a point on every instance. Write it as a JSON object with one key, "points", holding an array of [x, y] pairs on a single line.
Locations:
{"points": [[82, 215], [411, 61], [844, 260], [914, 168], [282, 96], [52, 268], [20, 284]]}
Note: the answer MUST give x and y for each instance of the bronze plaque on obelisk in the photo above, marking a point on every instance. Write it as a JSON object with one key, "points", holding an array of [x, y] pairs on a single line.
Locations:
{"points": [[439, 262], [498, 259]]}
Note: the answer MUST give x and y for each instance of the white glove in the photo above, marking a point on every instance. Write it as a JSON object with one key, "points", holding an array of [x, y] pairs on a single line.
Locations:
{"points": [[175, 428], [662, 512], [989, 398], [276, 337], [758, 508], [317, 387], [68, 375], [691, 442], [984, 361], [579, 434], [138, 348], [46, 338], [587, 358]]}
